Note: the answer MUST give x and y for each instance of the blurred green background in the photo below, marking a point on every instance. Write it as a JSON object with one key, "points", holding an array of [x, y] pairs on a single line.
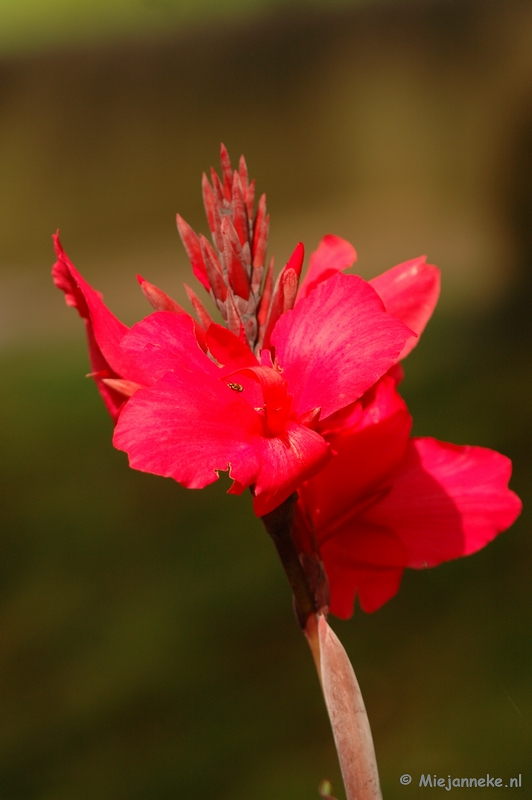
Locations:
{"points": [[147, 643]]}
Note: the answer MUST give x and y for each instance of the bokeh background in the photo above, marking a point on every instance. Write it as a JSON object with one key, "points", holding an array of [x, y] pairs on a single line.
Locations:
{"points": [[148, 648]]}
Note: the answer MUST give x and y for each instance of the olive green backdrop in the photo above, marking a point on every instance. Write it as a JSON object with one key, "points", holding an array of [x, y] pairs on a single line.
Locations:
{"points": [[148, 648]]}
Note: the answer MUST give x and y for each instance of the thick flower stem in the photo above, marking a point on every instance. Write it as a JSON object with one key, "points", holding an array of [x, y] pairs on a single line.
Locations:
{"points": [[347, 713], [278, 523], [345, 706]]}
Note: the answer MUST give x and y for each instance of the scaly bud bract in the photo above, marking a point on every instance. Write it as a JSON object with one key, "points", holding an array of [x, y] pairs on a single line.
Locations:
{"points": [[192, 246], [158, 299]]}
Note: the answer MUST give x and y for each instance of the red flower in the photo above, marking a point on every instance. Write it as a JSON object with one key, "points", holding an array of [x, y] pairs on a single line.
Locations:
{"points": [[203, 398], [292, 395]]}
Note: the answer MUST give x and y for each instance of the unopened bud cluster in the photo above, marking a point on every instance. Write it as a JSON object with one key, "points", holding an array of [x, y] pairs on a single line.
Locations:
{"points": [[232, 268]]}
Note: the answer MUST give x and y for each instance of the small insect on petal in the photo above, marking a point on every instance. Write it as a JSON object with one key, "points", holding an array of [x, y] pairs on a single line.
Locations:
{"points": [[236, 387]]}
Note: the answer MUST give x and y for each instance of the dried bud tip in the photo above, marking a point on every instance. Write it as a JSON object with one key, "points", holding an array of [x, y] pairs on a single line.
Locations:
{"points": [[127, 388]]}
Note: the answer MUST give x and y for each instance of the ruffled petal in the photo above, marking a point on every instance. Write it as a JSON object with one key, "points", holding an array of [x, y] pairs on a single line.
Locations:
{"points": [[189, 426], [332, 256], [447, 501], [285, 462], [410, 292], [104, 330], [336, 343]]}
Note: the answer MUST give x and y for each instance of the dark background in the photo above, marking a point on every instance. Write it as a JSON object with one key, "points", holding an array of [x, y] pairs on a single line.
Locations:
{"points": [[147, 643]]}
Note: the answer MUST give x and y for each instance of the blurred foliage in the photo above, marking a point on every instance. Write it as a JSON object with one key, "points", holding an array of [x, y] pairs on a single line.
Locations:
{"points": [[148, 648], [40, 24]]}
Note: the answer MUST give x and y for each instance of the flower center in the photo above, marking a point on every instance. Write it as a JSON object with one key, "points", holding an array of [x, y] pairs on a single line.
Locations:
{"points": [[277, 401]]}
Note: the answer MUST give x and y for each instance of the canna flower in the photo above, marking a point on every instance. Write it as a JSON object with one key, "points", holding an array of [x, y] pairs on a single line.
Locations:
{"points": [[191, 398], [295, 395]]}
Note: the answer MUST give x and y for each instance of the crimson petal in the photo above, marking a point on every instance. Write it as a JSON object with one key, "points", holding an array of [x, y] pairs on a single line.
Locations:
{"points": [[366, 454], [336, 343], [285, 462], [164, 341], [332, 256], [189, 426], [447, 501], [410, 292], [104, 330]]}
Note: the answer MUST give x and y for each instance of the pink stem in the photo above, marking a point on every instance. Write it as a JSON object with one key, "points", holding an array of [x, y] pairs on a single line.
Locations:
{"points": [[347, 713]]}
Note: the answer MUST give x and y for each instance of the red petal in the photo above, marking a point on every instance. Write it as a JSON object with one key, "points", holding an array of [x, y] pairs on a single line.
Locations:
{"points": [[165, 341], [285, 462], [410, 292], [189, 426], [447, 501], [228, 349], [336, 343], [332, 256], [375, 588], [104, 330], [366, 454]]}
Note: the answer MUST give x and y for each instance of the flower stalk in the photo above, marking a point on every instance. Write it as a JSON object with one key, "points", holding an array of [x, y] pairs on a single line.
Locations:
{"points": [[279, 523], [343, 699], [346, 710]]}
